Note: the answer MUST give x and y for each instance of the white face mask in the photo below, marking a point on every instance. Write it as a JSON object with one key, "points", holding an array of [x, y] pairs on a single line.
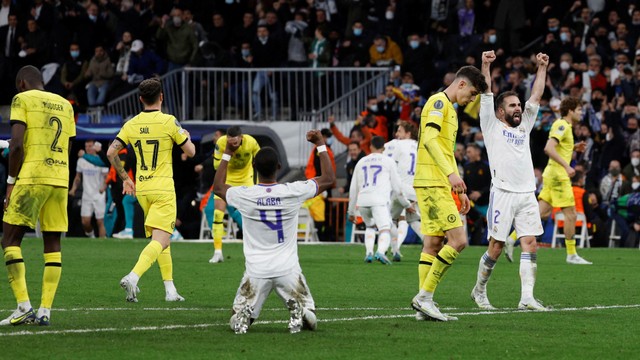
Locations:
{"points": [[635, 161], [635, 185], [565, 65], [609, 137], [389, 15]]}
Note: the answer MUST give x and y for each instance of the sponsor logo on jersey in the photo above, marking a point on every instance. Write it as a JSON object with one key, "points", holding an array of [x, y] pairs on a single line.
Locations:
{"points": [[142, 178], [52, 162]]}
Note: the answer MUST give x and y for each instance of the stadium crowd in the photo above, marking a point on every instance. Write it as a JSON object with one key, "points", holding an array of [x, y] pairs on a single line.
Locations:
{"points": [[100, 49]]}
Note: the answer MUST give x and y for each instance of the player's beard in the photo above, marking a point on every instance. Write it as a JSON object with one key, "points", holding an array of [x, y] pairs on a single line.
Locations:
{"points": [[513, 120]]}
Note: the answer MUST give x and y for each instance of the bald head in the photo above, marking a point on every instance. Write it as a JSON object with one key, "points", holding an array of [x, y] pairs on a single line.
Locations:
{"points": [[29, 78]]}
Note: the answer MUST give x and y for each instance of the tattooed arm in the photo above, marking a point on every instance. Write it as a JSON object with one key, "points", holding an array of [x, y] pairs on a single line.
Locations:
{"points": [[128, 187]]}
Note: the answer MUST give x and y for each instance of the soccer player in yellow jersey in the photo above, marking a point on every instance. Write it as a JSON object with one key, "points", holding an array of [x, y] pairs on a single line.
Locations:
{"points": [[42, 127], [239, 173], [436, 176], [556, 177], [152, 135]]}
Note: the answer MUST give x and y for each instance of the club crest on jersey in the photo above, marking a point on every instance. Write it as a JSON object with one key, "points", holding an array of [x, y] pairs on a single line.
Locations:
{"points": [[438, 104], [451, 218], [561, 128]]}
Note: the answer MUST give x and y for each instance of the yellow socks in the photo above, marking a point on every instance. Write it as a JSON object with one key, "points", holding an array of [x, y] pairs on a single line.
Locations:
{"points": [[218, 229], [426, 260], [148, 256], [166, 264], [50, 278], [441, 264], [571, 247], [17, 273]]}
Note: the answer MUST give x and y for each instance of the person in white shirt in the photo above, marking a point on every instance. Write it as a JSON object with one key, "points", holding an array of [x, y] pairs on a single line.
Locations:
{"points": [[93, 196], [375, 176], [403, 150], [270, 223], [512, 201]]}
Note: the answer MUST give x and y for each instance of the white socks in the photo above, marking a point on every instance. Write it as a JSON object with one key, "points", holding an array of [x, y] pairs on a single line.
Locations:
{"points": [[528, 268]]}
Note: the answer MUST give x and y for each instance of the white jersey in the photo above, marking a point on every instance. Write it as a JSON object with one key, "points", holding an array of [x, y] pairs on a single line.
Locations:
{"points": [[508, 147], [374, 177], [92, 179], [270, 225]]}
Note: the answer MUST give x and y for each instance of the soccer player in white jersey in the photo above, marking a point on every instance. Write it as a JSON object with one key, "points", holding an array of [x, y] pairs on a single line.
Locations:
{"points": [[513, 202], [375, 176], [403, 150], [93, 196], [270, 223]]}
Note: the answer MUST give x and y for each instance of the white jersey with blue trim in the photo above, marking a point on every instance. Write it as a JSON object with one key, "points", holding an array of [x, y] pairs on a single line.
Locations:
{"points": [[270, 225]]}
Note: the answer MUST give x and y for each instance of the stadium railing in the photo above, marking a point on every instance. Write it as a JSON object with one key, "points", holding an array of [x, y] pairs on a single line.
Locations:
{"points": [[259, 94]]}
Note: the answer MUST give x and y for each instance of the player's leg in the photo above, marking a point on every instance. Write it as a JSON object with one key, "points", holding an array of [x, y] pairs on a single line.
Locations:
{"points": [[247, 304], [446, 219], [53, 225], [165, 262], [295, 293], [485, 268], [218, 230], [369, 233], [99, 210], [160, 213], [21, 213], [86, 212], [569, 229], [382, 219], [128, 207], [430, 246]]}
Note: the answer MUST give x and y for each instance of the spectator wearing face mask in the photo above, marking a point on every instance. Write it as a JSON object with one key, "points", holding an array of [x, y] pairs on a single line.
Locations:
{"points": [[72, 74], [418, 60], [613, 185], [632, 170], [179, 40], [354, 50], [385, 52]]}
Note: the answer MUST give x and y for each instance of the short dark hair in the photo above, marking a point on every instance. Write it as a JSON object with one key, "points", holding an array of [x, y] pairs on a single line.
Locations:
{"points": [[474, 76], [150, 90], [504, 95], [475, 146], [29, 74], [354, 143], [577, 177], [377, 142], [266, 161], [569, 104], [234, 131]]}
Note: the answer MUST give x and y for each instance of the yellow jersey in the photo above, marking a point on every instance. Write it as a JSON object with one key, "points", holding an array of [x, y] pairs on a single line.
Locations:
{"points": [[562, 131], [152, 135], [439, 114], [240, 168], [49, 125]]}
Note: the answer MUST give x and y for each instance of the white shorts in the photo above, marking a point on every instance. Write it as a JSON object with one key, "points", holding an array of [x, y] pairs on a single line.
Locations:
{"points": [[379, 216], [90, 207], [256, 291], [517, 210], [398, 210]]}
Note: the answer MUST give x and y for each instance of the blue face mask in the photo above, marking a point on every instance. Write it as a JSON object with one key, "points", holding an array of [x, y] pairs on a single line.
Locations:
{"points": [[553, 29], [93, 18], [357, 31], [493, 38], [564, 37], [591, 73], [74, 53], [380, 49], [245, 52], [414, 44], [329, 141], [480, 143], [229, 2]]}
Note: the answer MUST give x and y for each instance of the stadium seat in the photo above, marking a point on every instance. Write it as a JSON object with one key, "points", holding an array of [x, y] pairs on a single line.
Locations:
{"points": [[306, 227], [582, 237], [83, 119], [613, 237], [205, 230]]}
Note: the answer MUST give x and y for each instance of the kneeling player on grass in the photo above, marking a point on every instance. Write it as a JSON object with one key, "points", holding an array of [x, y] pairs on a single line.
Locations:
{"points": [[270, 217]]}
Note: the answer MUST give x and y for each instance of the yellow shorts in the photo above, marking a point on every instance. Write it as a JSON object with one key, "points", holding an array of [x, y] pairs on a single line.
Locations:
{"points": [[438, 210], [160, 212], [557, 192], [33, 202]]}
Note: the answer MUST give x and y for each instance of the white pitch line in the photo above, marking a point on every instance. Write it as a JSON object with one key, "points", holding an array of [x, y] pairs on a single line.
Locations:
{"points": [[359, 318], [219, 309]]}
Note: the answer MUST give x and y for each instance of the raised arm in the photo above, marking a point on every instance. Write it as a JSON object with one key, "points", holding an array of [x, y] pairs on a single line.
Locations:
{"points": [[328, 177], [487, 58], [220, 185], [541, 75]]}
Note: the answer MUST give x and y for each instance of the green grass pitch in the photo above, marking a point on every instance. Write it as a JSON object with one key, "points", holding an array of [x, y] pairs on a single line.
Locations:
{"points": [[363, 308]]}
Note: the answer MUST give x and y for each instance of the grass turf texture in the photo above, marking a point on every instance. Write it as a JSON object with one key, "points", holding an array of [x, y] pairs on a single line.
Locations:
{"points": [[363, 308]]}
